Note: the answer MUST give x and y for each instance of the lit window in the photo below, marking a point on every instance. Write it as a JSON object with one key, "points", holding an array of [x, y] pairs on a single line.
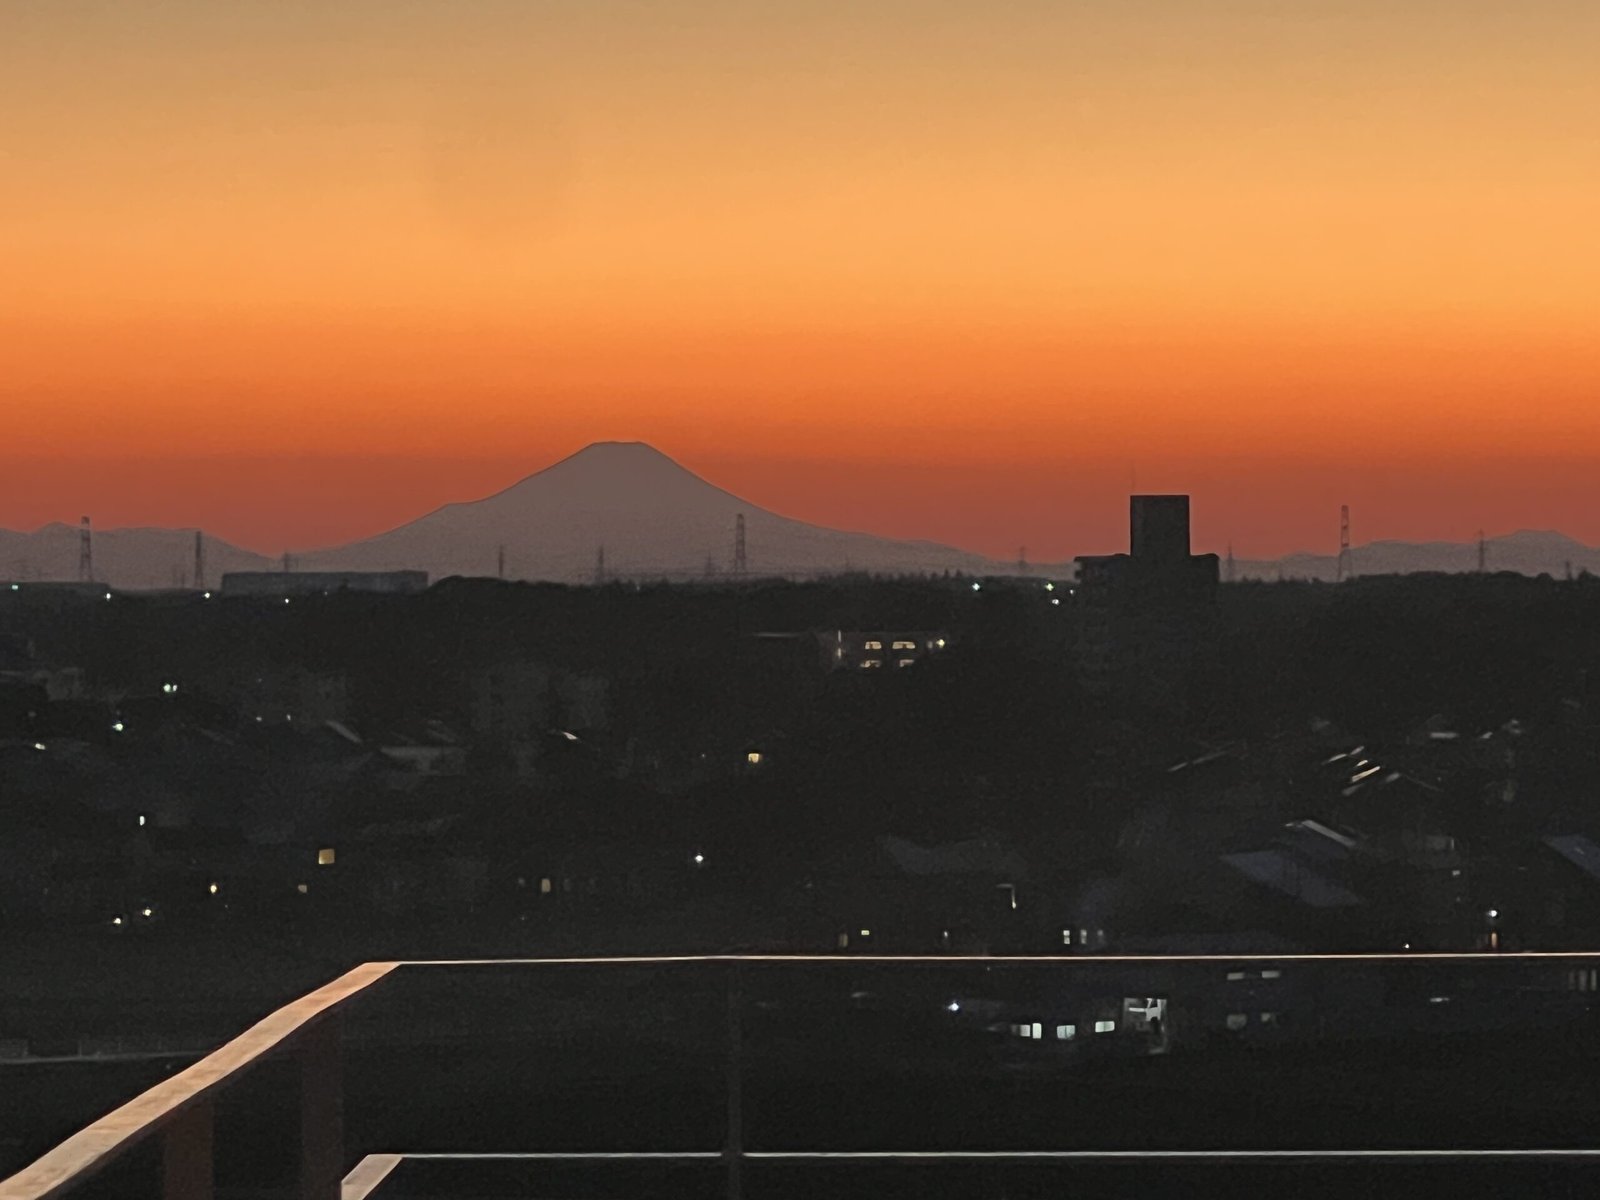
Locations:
{"points": [[1065, 1033], [546, 886], [325, 857], [1066, 937], [866, 933], [141, 820], [1038, 1031], [906, 662], [1271, 974], [301, 888], [939, 643], [1105, 1026], [213, 889], [1269, 1018], [874, 646], [869, 663], [1237, 1021], [1235, 976], [753, 758], [844, 941], [905, 646]]}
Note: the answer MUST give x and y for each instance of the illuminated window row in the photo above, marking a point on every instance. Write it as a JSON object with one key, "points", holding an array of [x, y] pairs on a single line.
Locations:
{"points": [[1064, 1033]]}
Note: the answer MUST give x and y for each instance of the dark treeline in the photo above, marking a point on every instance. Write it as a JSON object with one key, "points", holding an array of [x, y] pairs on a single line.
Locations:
{"points": [[673, 721]]}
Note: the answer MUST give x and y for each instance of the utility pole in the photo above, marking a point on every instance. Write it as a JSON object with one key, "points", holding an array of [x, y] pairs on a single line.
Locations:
{"points": [[1344, 571], [199, 560], [85, 551], [1231, 574]]}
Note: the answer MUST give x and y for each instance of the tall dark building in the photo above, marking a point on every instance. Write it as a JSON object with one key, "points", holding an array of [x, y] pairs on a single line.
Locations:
{"points": [[1149, 617], [1159, 527]]}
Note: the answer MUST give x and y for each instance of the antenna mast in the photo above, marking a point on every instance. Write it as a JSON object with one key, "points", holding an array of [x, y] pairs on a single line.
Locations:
{"points": [[600, 566], [85, 551], [199, 559], [739, 564], [1231, 575], [1344, 571]]}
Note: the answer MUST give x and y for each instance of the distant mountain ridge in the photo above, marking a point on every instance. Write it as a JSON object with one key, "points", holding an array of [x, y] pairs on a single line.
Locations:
{"points": [[1527, 552], [651, 517], [123, 558], [655, 519]]}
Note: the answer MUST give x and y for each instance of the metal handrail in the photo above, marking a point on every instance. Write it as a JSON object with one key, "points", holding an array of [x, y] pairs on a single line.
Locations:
{"points": [[161, 1109], [96, 1146]]}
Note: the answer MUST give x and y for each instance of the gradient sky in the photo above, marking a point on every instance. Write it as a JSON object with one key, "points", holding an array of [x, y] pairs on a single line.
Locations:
{"points": [[299, 270]]}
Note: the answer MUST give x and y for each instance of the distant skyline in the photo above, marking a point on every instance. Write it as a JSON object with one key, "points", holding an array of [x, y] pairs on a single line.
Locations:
{"points": [[301, 271]]}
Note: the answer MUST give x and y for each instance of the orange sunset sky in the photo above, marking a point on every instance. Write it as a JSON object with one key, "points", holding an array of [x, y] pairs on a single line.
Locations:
{"points": [[300, 270]]}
